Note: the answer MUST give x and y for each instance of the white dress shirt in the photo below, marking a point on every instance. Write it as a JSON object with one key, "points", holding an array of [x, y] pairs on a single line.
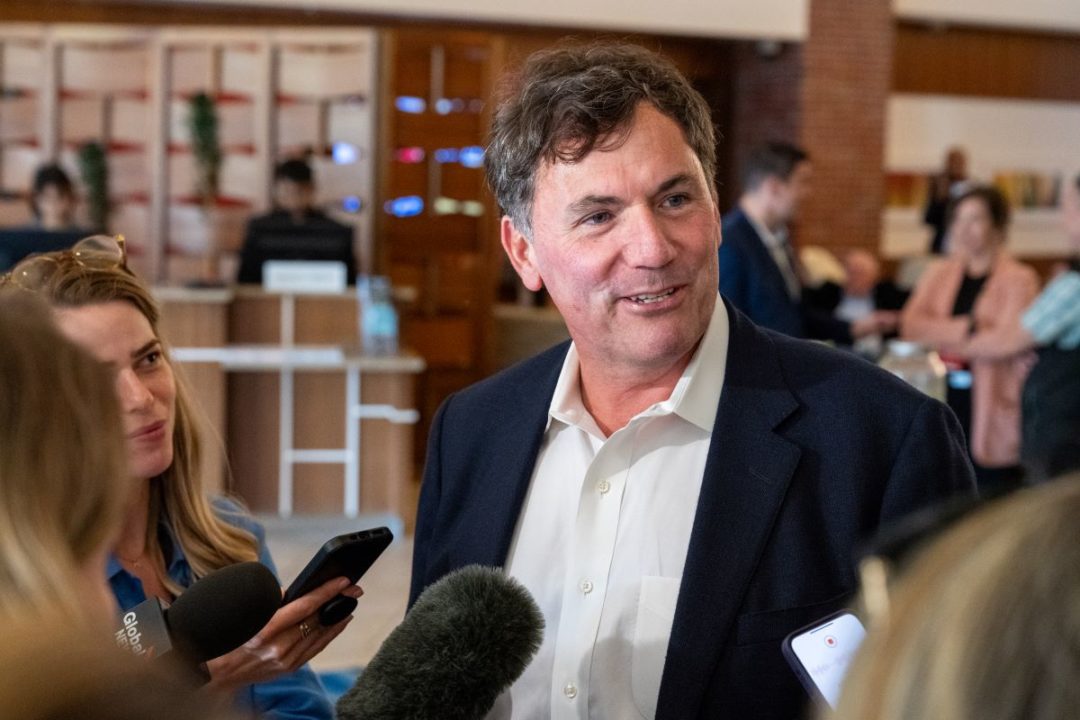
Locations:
{"points": [[602, 540]]}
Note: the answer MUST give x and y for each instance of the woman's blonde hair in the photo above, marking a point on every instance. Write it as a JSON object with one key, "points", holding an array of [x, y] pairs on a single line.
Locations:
{"points": [[62, 479], [986, 624], [50, 670], [177, 495]]}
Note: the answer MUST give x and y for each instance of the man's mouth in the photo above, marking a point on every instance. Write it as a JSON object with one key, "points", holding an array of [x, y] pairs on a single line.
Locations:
{"points": [[647, 299]]}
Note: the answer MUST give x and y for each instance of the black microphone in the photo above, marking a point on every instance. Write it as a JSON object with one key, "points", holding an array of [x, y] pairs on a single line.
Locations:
{"points": [[466, 640], [218, 613]]}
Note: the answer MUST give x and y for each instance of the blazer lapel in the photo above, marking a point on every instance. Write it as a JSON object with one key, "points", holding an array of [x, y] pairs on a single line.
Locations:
{"points": [[747, 473], [519, 435]]}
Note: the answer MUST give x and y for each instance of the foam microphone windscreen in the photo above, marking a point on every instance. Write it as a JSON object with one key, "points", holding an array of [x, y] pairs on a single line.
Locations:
{"points": [[223, 610], [466, 640]]}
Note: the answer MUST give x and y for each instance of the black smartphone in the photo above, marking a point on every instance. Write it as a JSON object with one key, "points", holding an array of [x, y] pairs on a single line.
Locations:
{"points": [[348, 556], [821, 652]]}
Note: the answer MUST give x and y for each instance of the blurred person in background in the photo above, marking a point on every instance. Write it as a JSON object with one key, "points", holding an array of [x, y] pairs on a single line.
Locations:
{"points": [[760, 272], [53, 201], [294, 198], [966, 306], [172, 533], [943, 188], [984, 625], [62, 471], [862, 293], [1050, 442]]}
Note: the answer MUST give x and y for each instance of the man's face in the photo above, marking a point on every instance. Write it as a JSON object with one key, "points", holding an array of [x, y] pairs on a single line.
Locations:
{"points": [[626, 242], [293, 197], [788, 195]]}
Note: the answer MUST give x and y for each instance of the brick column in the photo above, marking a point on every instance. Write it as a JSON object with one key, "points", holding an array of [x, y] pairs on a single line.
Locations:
{"points": [[767, 100], [847, 75]]}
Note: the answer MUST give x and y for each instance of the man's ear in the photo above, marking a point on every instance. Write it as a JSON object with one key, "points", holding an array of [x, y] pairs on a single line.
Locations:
{"points": [[521, 254]]}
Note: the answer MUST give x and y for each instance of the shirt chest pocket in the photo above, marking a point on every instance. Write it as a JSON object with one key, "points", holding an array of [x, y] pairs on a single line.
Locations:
{"points": [[652, 631]]}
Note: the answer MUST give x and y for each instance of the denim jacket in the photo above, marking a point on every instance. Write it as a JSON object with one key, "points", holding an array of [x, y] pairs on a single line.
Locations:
{"points": [[296, 696]]}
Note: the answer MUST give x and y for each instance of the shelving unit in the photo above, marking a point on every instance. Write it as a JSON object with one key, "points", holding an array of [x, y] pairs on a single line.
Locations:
{"points": [[279, 92]]}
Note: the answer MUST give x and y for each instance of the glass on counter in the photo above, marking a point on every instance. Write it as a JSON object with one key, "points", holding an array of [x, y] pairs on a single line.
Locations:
{"points": [[917, 366], [378, 318]]}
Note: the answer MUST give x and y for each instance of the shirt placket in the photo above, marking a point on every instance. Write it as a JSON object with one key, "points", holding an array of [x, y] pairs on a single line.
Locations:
{"points": [[588, 575]]}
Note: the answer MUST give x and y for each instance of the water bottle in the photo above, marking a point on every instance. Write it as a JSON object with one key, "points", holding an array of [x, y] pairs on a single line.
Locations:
{"points": [[378, 318], [917, 366]]}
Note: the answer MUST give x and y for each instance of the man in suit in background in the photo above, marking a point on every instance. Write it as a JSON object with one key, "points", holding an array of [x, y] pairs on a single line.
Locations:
{"points": [[759, 268], [676, 487]]}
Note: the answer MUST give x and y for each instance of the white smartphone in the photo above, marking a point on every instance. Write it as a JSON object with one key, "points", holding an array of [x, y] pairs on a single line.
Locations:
{"points": [[821, 652]]}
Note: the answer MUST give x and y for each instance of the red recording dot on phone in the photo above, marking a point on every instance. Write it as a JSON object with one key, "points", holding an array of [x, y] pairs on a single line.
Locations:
{"points": [[830, 641]]}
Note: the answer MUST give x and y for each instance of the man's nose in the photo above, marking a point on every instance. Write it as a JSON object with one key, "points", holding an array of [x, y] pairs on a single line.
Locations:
{"points": [[648, 243]]}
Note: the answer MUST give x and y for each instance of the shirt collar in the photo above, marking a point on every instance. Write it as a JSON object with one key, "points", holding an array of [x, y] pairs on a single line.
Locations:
{"points": [[770, 238], [694, 397], [175, 562]]}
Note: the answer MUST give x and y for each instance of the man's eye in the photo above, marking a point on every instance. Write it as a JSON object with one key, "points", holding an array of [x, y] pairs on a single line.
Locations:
{"points": [[598, 218], [677, 200]]}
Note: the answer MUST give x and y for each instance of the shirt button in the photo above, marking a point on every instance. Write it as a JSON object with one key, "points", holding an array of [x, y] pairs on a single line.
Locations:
{"points": [[570, 690], [603, 487], [586, 586]]}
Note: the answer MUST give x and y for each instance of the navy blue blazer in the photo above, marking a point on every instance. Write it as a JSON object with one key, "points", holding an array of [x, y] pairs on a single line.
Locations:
{"points": [[751, 280], [812, 450]]}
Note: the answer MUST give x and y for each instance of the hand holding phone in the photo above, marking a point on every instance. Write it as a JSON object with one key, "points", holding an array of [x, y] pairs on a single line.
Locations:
{"points": [[348, 556], [821, 652]]}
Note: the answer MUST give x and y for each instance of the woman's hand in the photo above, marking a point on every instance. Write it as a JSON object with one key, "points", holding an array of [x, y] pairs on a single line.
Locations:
{"points": [[291, 638]]}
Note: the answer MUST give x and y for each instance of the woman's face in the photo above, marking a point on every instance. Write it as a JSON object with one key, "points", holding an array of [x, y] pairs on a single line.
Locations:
{"points": [[972, 231], [118, 334], [55, 207]]}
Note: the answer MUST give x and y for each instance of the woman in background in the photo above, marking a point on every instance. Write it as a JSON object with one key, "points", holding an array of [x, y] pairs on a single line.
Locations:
{"points": [[52, 200], [62, 470], [171, 533], [964, 306], [985, 625]]}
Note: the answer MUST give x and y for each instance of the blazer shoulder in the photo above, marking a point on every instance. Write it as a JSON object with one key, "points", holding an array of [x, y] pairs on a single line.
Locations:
{"points": [[840, 377]]}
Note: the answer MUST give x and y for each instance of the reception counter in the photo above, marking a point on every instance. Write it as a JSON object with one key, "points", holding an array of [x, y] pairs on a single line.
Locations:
{"points": [[344, 443]]}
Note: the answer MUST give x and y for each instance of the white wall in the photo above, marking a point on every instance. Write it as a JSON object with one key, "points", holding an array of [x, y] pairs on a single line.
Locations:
{"points": [[999, 136], [779, 19], [1055, 15]]}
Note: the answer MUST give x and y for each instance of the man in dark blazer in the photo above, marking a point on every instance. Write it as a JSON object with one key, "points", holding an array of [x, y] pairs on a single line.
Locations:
{"points": [[800, 454], [759, 269]]}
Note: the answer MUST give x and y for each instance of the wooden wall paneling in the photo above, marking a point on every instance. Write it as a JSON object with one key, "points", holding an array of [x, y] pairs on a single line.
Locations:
{"points": [[986, 62]]}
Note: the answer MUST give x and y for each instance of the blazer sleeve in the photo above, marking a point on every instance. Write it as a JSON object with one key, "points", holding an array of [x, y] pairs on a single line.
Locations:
{"points": [[430, 492], [1001, 339], [931, 465], [920, 321]]}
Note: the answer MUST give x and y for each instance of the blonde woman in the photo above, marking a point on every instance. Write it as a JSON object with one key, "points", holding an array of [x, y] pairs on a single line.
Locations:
{"points": [[986, 623], [171, 533], [62, 487]]}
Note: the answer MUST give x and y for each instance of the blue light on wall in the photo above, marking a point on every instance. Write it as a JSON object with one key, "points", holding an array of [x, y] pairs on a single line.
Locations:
{"points": [[345, 153], [472, 156], [405, 206], [446, 155], [410, 104], [351, 204]]}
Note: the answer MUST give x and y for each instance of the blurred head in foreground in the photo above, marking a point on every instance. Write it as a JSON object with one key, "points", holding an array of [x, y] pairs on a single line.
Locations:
{"points": [[986, 624], [63, 483]]}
